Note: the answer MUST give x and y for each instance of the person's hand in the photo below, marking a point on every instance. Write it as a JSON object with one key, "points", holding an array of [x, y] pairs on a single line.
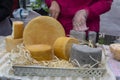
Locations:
{"points": [[54, 9], [79, 21]]}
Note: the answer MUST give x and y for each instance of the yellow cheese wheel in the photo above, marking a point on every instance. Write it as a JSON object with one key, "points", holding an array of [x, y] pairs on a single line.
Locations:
{"points": [[115, 49], [12, 43], [40, 51], [18, 27], [62, 47], [42, 30]]}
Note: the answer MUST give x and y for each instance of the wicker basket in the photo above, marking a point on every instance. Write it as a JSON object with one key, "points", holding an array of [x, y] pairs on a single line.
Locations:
{"points": [[44, 71], [36, 70]]}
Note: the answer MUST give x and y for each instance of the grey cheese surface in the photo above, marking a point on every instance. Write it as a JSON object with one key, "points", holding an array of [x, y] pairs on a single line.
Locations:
{"points": [[83, 54]]}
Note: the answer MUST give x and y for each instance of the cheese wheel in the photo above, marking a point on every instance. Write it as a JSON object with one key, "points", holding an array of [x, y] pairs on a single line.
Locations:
{"points": [[62, 47], [18, 27], [42, 30], [40, 52], [12, 43], [115, 49]]}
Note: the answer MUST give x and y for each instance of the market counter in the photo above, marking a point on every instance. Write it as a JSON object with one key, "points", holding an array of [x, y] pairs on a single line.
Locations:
{"points": [[7, 72]]}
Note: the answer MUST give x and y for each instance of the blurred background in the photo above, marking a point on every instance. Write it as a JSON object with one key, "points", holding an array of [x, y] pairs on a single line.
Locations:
{"points": [[109, 24]]}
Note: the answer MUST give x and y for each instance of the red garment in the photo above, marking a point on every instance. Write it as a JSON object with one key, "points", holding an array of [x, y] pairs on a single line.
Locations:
{"points": [[70, 7], [15, 4]]}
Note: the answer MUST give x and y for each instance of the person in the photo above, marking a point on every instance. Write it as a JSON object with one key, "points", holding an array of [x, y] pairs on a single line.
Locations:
{"points": [[79, 15], [5, 11], [15, 7]]}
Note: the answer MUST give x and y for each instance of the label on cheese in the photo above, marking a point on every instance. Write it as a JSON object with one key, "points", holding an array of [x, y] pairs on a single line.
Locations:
{"points": [[62, 47], [40, 51], [12, 43], [17, 29], [42, 30]]}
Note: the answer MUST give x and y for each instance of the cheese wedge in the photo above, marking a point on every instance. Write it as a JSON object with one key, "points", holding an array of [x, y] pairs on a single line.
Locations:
{"points": [[18, 27], [115, 49], [42, 30], [62, 47], [40, 52], [12, 43]]}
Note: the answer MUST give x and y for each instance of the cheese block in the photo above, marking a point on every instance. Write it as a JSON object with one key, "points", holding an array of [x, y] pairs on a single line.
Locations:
{"points": [[82, 54], [115, 49], [40, 51], [17, 29], [42, 30], [12, 43], [62, 47]]}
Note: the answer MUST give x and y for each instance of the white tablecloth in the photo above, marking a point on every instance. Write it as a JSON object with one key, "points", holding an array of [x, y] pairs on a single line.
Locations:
{"points": [[5, 69]]}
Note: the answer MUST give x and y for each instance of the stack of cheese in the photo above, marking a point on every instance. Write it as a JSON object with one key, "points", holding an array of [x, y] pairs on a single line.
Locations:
{"points": [[39, 36], [16, 37], [44, 36], [115, 49]]}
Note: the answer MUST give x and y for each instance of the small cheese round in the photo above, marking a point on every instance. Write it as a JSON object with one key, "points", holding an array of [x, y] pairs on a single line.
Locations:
{"points": [[62, 47], [40, 51], [17, 29], [42, 30], [115, 49], [12, 43]]}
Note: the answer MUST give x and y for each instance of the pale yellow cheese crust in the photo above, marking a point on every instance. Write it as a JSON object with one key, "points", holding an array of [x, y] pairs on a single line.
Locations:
{"points": [[40, 52], [62, 47], [12, 43], [17, 29], [42, 30], [115, 49]]}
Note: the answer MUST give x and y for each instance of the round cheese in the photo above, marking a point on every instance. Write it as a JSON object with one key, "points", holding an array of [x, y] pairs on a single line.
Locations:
{"points": [[62, 47], [115, 49], [42, 30], [40, 52], [17, 29], [12, 43]]}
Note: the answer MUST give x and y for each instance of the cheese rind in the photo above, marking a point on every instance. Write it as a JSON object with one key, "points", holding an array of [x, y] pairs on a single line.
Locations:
{"points": [[115, 49], [42, 30], [12, 43], [18, 27], [62, 47], [40, 51]]}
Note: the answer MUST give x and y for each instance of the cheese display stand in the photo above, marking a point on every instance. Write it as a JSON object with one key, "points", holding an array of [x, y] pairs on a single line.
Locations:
{"points": [[43, 53], [6, 70]]}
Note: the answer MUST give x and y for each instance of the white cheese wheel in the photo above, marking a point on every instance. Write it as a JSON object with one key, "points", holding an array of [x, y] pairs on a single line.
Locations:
{"points": [[17, 29], [12, 43], [40, 52], [62, 47], [42, 30], [115, 49]]}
